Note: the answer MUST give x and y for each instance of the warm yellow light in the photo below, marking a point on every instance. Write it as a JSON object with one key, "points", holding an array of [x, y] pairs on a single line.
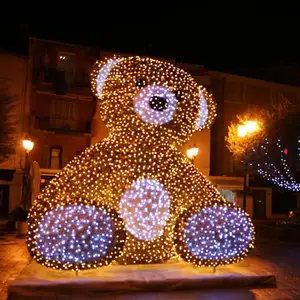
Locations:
{"points": [[192, 152], [242, 130], [251, 126], [101, 174], [28, 145], [247, 127]]}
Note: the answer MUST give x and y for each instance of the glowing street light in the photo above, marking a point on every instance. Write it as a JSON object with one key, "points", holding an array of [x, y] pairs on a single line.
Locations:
{"points": [[248, 127], [243, 130], [251, 126], [28, 144]]}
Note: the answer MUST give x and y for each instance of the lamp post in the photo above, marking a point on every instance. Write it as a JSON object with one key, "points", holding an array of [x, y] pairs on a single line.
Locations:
{"points": [[192, 153], [244, 130], [28, 146]]}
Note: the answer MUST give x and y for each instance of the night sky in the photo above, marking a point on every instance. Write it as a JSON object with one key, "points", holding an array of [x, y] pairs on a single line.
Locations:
{"points": [[230, 46]]}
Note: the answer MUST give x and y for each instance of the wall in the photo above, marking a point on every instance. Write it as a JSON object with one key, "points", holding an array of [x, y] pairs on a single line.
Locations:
{"points": [[235, 94], [13, 70], [67, 127], [70, 145], [200, 139]]}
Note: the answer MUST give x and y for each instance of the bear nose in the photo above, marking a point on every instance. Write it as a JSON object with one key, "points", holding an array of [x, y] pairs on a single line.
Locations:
{"points": [[158, 103]]}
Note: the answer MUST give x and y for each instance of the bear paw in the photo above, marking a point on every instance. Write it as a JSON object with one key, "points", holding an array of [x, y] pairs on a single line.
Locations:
{"points": [[212, 235], [76, 237]]}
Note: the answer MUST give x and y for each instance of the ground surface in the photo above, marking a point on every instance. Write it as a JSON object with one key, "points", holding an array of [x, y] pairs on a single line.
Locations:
{"points": [[279, 258]]}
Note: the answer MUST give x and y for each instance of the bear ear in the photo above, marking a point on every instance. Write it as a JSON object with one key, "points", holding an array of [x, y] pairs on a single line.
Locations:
{"points": [[207, 110], [100, 72]]}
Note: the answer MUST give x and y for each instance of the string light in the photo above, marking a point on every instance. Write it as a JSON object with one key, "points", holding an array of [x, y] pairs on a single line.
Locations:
{"points": [[150, 108], [103, 74], [76, 237], [214, 235], [275, 171], [68, 230], [155, 105], [207, 111], [144, 208]]}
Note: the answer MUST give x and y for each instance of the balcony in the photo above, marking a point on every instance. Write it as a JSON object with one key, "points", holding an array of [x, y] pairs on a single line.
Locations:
{"points": [[60, 82], [62, 126]]}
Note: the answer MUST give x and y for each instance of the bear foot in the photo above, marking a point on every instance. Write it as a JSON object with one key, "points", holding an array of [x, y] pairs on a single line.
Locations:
{"points": [[213, 235], [76, 237]]}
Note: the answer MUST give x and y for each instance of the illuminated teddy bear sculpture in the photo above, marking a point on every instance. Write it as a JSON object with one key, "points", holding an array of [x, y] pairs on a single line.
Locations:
{"points": [[134, 198]]}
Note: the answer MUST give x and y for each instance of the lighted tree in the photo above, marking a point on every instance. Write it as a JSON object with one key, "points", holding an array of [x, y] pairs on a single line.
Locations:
{"points": [[278, 157], [134, 197], [274, 150], [7, 122]]}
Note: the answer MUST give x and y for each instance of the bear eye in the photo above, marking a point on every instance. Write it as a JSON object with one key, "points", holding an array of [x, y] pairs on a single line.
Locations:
{"points": [[178, 94], [141, 82]]}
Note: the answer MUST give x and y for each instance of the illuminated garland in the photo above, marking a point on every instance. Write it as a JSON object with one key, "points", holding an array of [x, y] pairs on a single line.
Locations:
{"points": [[277, 172], [214, 235], [207, 111], [145, 209], [150, 108], [77, 237]]}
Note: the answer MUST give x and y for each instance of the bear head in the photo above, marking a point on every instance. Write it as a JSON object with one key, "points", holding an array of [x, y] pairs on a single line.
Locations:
{"points": [[148, 98]]}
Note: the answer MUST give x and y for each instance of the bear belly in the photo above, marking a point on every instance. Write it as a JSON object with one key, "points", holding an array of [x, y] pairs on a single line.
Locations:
{"points": [[145, 209]]}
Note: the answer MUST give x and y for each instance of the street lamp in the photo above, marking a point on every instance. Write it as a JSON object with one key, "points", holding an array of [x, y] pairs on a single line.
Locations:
{"points": [[245, 130], [192, 153], [28, 145]]}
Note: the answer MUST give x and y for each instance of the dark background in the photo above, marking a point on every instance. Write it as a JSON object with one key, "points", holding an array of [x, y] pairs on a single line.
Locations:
{"points": [[242, 45]]}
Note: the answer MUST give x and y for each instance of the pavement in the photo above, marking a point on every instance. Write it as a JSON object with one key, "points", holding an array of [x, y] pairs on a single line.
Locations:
{"points": [[279, 258]]}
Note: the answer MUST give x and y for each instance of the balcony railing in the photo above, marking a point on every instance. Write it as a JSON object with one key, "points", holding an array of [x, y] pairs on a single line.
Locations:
{"points": [[60, 81], [61, 125]]}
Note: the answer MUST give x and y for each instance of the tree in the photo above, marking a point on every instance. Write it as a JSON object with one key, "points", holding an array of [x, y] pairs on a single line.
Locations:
{"points": [[7, 122], [266, 119], [278, 157], [274, 150]]}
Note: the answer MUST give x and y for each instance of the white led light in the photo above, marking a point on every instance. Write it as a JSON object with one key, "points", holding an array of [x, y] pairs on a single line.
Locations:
{"points": [[145, 209], [150, 115], [75, 234], [276, 171], [218, 233], [103, 74], [203, 111]]}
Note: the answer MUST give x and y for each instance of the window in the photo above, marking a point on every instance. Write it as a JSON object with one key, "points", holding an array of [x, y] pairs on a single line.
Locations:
{"points": [[63, 114], [62, 109], [55, 158], [66, 64]]}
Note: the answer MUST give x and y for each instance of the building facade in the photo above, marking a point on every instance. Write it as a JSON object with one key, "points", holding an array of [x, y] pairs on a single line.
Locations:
{"points": [[61, 106], [13, 70], [236, 94], [62, 117]]}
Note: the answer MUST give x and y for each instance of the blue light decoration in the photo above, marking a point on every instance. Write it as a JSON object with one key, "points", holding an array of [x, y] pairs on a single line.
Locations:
{"points": [[277, 170], [145, 209], [77, 236], [203, 111], [159, 116], [103, 74], [214, 235], [206, 109]]}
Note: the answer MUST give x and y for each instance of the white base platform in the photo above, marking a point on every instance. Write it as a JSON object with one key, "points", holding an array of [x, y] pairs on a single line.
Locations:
{"points": [[37, 281]]}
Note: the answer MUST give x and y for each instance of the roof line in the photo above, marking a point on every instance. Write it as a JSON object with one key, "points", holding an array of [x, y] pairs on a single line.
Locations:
{"points": [[62, 43]]}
